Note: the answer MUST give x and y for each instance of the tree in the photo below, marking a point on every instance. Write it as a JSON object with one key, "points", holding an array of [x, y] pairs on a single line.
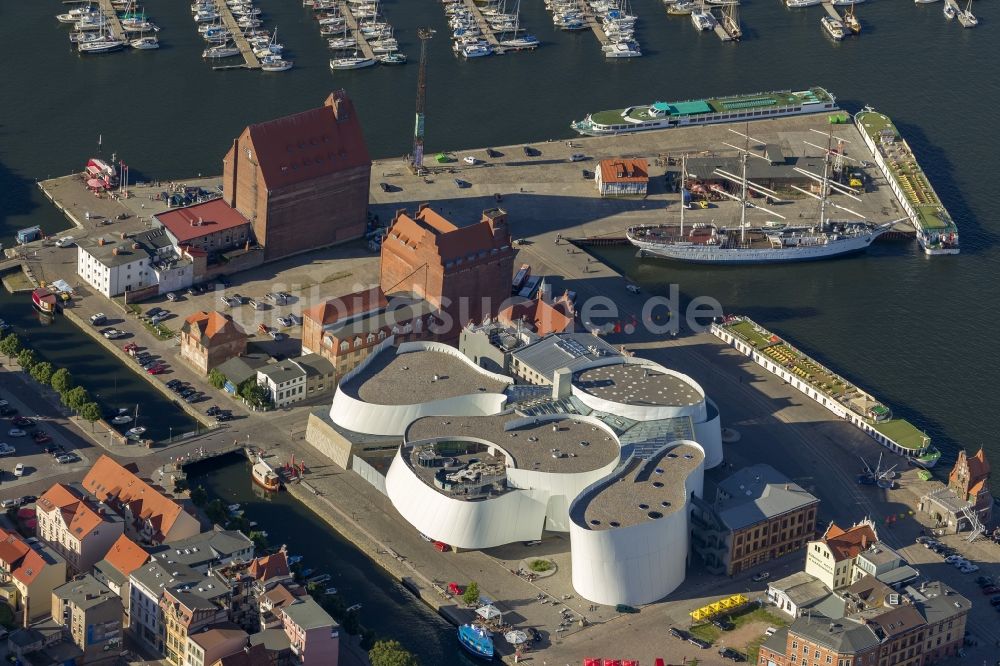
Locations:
{"points": [[471, 594], [42, 372], [216, 511], [75, 398], [10, 345], [391, 653], [216, 379], [254, 394], [199, 497], [61, 380], [90, 411], [259, 539], [26, 359]]}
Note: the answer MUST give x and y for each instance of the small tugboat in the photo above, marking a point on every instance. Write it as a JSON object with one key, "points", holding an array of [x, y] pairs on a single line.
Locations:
{"points": [[476, 641], [44, 301], [264, 475]]}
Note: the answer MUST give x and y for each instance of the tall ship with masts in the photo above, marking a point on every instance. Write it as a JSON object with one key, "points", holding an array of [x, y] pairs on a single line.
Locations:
{"points": [[772, 242]]}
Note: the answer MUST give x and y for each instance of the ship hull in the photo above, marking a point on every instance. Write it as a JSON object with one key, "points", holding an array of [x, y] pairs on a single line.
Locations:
{"points": [[700, 254], [666, 124]]}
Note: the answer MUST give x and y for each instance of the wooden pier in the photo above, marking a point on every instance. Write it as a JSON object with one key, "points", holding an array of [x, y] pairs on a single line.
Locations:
{"points": [[352, 23], [112, 21], [484, 26], [721, 32], [594, 24], [236, 32]]}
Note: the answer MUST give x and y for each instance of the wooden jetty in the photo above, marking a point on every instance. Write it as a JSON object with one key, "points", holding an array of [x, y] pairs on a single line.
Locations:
{"points": [[594, 24], [249, 58], [721, 32], [832, 11], [112, 21], [484, 25], [352, 23]]}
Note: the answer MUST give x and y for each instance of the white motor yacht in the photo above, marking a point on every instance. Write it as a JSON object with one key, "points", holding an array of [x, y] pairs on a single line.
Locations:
{"points": [[342, 43], [221, 51], [833, 27], [622, 50], [702, 20], [145, 43], [274, 63]]}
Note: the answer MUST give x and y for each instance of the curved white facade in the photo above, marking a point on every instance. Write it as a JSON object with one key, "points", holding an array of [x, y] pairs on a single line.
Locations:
{"points": [[637, 564], [391, 420]]}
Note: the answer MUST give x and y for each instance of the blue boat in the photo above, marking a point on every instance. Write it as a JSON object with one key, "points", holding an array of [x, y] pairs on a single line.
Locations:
{"points": [[476, 641]]}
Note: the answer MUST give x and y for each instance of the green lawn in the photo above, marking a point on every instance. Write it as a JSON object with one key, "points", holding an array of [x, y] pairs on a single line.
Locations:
{"points": [[706, 632], [745, 330], [709, 632], [903, 433]]}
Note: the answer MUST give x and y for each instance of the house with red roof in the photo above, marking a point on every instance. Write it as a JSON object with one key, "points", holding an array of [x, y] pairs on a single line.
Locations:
{"points": [[124, 557], [622, 177], [301, 180], [28, 574], [539, 316], [831, 558], [465, 273], [151, 517], [209, 339], [76, 526], [210, 226]]}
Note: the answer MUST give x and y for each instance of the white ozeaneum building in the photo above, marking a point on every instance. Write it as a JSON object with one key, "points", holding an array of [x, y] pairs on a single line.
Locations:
{"points": [[629, 531], [644, 391]]}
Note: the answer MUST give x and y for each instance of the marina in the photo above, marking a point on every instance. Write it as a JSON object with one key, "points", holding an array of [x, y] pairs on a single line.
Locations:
{"points": [[839, 395], [362, 48]]}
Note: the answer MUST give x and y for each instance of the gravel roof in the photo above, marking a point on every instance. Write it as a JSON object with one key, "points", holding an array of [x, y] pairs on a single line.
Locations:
{"points": [[644, 490], [532, 445], [406, 379], [635, 384]]}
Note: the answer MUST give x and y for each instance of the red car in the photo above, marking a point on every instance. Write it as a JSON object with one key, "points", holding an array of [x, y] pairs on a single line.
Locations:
{"points": [[41, 438], [130, 347], [157, 369], [991, 589]]}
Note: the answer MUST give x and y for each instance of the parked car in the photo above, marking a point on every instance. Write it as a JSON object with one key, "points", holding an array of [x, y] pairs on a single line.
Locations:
{"points": [[7, 410], [213, 410], [98, 319], [22, 422], [41, 437], [704, 645], [157, 370], [158, 318], [493, 153], [462, 184], [770, 631], [7, 450], [951, 559], [12, 503], [194, 397], [577, 157], [991, 589], [16, 432], [19, 470], [762, 576], [65, 241], [285, 321], [731, 654], [152, 312], [28, 499], [679, 633], [723, 623], [222, 418], [171, 296], [65, 458], [625, 608], [276, 335]]}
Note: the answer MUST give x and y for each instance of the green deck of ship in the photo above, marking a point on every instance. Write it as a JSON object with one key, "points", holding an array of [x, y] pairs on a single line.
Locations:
{"points": [[930, 212], [903, 433], [736, 103]]}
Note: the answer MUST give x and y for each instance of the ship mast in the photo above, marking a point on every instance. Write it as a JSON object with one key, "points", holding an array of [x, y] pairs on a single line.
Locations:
{"points": [[826, 184], [684, 173], [745, 185]]}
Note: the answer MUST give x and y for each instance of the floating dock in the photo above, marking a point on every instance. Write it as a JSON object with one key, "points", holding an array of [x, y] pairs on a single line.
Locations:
{"points": [[937, 233], [832, 11], [484, 25], [827, 388], [113, 22], [236, 32], [594, 24], [352, 23]]}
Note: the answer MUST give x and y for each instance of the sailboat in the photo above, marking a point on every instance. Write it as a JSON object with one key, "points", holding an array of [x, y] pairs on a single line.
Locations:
{"points": [[137, 431], [731, 22], [702, 19], [851, 20], [967, 18], [357, 61], [516, 42], [106, 43], [773, 242]]}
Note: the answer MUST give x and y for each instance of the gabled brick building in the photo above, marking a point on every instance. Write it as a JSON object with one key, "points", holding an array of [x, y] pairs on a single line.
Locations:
{"points": [[301, 180], [970, 479], [209, 339], [463, 272]]}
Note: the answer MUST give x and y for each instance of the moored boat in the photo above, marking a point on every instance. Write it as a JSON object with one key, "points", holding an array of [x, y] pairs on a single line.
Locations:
{"points": [[264, 475], [394, 58], [44, 301], [833, 27], [354, 62], [145, 43], [136, 432], [476, 641]]}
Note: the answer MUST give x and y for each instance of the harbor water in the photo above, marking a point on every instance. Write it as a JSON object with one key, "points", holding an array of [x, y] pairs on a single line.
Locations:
{"points": [[386, 606]]}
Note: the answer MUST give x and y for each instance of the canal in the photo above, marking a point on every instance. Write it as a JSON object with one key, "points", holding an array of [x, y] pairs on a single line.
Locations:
{"points": [[387, 607]]}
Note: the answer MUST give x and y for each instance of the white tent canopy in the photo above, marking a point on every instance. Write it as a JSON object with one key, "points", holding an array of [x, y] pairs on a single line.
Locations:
{"points": [[488, 612], [516, 637]]}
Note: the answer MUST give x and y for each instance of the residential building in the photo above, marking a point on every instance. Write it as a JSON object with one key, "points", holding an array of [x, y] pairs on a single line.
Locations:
{"points": [[796, 593], [210, 645], [44, 643], [301, 180], [150, 517], [188, 610], [146, 587], [285, 382], [92, 614], [28, 574], [321, 375], [251, 655], [76, 526], [809, 641], [202, 551], [622, 177], [464, 273], [346, 330], [141, 265], [212, 226], [884, 564], [124, 557], [758, 515], [209, 339], [831, 558], [240, 369], [314, 635]]}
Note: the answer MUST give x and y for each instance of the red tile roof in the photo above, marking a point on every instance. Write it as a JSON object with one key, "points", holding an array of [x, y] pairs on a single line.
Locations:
{"points": [[126, 555], [31, 566], [429, 229], [311, 144], [211, 325], [112, 483], [343, 307], [12, 548], [80, 517], [201, 219], [270, 566], [541, 317], [624, 171], [848, 544]]}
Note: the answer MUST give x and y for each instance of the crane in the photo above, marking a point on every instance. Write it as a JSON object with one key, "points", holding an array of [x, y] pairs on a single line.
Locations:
{"points": [[418, 127]]}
